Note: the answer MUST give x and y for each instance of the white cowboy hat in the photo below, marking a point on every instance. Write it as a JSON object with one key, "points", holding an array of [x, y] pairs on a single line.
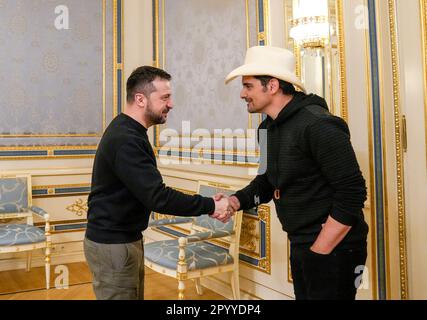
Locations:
{"points": [[268, 61]]}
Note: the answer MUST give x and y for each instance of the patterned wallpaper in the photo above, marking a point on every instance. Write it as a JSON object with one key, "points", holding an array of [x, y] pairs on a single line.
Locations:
{"points": [[199, 43], [198, 49], [200, 52], [51, 81]]}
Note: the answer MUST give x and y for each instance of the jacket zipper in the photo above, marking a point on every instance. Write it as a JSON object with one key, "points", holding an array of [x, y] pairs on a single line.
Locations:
{"points": [[276, 164]]}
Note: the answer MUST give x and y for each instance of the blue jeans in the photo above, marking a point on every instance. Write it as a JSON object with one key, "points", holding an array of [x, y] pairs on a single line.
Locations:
{"points": [[327, 277]]}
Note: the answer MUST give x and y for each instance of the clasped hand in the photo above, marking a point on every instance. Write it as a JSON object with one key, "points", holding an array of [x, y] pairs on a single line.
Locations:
{"points": [[225, 207]]}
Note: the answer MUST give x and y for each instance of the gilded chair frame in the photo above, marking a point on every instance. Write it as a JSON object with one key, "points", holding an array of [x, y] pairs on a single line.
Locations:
{"points": [[28, 214], [198, 234]]}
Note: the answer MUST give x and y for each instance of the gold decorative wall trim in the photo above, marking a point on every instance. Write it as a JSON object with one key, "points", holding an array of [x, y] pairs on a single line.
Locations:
{"points": [[266, 21], [384, 150], [54, 135], [163, 35], [156, 34], [248, 32], [288, 255], [104, 63], [399, 153], [248, 44], [262, 35], [47, 152], [342, 59], [423, 10], [298, 60], [371, 162], [115, 58], [66, 190], [257, 21], [117, 66]]}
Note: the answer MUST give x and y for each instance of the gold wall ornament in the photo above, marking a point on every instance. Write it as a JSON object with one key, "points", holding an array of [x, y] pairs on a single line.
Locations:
{"points": [[264, 263], [80, 207], [249, 235], [264, 213]]}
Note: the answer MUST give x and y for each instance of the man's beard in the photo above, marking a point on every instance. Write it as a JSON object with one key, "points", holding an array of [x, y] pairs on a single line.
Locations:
{"points": [[153, 117]]}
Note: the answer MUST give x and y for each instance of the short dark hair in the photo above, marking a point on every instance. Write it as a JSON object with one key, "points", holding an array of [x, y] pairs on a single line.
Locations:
{"points": [[141, 81], [287, 88]]}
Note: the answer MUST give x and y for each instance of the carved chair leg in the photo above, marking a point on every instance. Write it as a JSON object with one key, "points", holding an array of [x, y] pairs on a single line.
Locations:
{"points": [[181, 288], [29, 256], [235, 287], [47, 266], [199, 287]]}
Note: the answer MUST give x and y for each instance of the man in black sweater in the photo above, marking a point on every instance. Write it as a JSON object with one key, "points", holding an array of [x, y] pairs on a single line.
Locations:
{"points": [[127, 186], [312, 175]]}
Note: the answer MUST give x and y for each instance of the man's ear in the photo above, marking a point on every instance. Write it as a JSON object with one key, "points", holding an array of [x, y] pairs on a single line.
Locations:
{"points": [[273, 85], [140, 100]]}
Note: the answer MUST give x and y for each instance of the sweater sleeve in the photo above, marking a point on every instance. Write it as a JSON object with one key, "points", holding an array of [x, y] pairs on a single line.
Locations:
{"points": [[257, 192], [137, 169], [329, 142]]}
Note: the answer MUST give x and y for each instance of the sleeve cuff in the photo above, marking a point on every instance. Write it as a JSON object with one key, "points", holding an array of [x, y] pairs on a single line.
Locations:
{"points": [[344, 217], [209, 206], [243, 199]]}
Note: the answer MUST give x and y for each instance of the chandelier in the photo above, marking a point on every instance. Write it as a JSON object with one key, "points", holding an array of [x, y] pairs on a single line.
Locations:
{"points": [[310, 23]]}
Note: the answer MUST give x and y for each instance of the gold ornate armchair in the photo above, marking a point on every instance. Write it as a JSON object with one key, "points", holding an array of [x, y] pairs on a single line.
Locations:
{"points": [[16, 203], [203, 252]]}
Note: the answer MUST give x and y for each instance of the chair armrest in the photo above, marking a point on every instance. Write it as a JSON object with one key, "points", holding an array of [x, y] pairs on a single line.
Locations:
{"points": [[164, 222], [201, 236], [40, 212], [15, 215]]}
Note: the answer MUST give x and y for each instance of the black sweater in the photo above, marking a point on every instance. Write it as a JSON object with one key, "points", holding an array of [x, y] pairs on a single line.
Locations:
{"points": [[311, 161], [127, 186]]}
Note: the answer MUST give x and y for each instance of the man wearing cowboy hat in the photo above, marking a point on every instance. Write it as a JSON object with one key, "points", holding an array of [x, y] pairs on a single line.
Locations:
{"points": [[312, 175]]}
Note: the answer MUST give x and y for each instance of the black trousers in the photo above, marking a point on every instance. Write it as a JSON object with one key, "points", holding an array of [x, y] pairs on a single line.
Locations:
{"points": [[327, 277]]}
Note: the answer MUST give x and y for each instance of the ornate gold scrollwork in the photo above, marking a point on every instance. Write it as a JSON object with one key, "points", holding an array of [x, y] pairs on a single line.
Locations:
{"points": [[80, 207], [249, 236]]}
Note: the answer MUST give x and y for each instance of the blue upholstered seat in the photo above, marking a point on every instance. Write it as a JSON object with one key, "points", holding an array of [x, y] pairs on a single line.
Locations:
{"points": [[199, 255], [15, 234]]}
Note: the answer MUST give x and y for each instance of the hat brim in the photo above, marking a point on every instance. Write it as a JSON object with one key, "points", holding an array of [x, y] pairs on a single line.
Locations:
{"points": [[259, 70]]}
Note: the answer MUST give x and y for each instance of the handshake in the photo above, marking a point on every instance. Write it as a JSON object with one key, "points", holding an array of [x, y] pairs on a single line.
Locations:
{"points": [[225, 207]]}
